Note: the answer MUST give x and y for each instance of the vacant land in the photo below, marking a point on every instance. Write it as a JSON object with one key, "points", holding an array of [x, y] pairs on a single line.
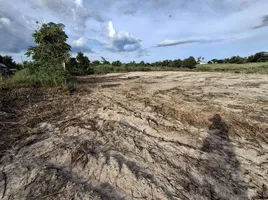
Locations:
{"points": [[139, 135]]}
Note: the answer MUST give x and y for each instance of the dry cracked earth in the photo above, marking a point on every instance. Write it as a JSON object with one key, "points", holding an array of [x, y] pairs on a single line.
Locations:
{"points": [[142, 135]]}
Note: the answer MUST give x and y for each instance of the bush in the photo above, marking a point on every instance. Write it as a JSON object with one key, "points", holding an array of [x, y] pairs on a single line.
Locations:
{"points": [[35, 75], [103, 69]]}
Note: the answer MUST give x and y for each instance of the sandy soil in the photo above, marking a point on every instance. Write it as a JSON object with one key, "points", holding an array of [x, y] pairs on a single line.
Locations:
{"points": [[142, 135]]}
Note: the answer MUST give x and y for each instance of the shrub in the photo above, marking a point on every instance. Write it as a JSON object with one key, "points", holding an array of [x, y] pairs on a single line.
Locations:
{"points": [[37, 75], [103, 69]]}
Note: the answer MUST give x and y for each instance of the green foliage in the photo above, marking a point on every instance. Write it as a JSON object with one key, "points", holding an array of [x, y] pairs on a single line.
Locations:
{"points": [[258, 57], [104, 69], [177, 63], [261, 68], [142, 63], [84, 63], [237, 60], [9, 62], [96, 62], [189, 62], [49, 54], [80, 65], [117, 63], [104, 61], [46, 75], [71, 64], [51, 44]]}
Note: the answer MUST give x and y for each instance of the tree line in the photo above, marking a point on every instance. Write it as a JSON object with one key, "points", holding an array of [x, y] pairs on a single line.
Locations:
{"points": [[80, 64], [53, 64], [258, 57]]}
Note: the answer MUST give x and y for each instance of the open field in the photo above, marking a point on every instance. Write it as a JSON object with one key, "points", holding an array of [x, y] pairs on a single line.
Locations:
{"points": [[138, 135], [261, 68]]}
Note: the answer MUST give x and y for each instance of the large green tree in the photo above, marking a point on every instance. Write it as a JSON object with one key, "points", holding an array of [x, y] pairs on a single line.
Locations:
{"points": [[176, 63], [189, 62], [83, 61], [51, 44], [8, 61]]}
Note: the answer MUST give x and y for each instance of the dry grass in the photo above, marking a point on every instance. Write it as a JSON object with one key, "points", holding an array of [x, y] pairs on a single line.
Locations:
{"points": [[184, 136]]}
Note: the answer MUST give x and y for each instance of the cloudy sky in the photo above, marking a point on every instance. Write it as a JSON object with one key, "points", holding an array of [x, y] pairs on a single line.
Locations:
{"points": [[148, 30]]}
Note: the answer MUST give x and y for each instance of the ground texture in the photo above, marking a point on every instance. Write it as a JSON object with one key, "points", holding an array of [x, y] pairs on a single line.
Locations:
{"points": [[149, 135]]}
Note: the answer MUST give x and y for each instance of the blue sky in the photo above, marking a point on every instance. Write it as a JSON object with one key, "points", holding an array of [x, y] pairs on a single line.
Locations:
{"points": [[138, 30]]}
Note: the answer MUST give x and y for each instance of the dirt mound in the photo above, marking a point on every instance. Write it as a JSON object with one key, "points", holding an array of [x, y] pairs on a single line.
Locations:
{"points": [[165, 135]]}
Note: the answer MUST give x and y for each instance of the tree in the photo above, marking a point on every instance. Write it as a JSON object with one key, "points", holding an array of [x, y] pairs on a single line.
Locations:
{"points": [[117, 63], [96, 62], [250, 58], [165, 63], [132, 64], [72, 64], [200, 59], [189, 62], [8, 61], [51, 44], [238, 60], [261, 57], [220, 61], [264, 57], [176, 63], [142, 63], [83, 61], [104, 61], [1, 59]]}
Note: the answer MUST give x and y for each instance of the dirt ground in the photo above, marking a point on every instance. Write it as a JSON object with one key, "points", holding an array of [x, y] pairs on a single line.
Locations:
{"points": [[142, 135]]}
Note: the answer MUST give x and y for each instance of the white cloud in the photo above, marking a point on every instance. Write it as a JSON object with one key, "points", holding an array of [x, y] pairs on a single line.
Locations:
{"points": [[68, 10], [79, 2], [81, 44], [111, 30], [197, 22], [5, 21], [122, 41]]}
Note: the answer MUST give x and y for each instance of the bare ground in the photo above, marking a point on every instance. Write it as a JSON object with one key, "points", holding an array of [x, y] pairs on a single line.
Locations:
{"points": [[151, 135]]}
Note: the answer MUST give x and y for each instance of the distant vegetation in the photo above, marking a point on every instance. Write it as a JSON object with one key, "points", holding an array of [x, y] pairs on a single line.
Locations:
{"points": [[259, 67], [258, 57], [52, 64]]}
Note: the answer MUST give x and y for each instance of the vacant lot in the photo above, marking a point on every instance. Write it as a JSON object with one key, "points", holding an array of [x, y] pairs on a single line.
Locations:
{"points": [[142, 135]]}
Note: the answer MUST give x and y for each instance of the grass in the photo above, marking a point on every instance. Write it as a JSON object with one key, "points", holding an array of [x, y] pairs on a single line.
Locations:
{"points": [[104, 69], [261, 68], [55, 76], [43, 78]]}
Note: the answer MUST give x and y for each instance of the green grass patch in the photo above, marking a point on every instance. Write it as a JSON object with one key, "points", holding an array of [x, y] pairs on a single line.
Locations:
{"points": [[261, 68], [42, 77]]}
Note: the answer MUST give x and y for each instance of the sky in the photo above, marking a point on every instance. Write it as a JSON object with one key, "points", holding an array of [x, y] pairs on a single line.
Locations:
{"points": [[136, 30]]}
